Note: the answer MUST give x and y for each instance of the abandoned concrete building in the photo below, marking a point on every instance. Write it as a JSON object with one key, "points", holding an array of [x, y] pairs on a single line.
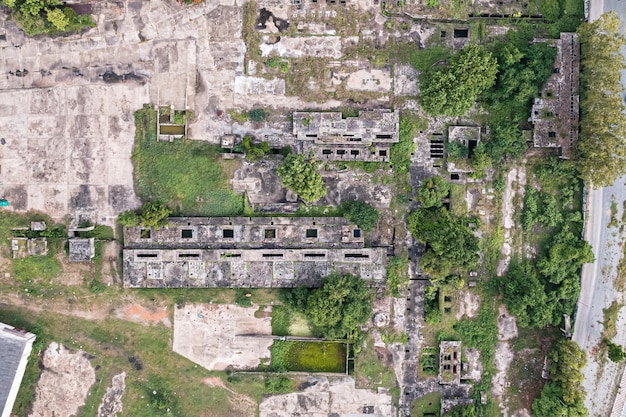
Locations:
{"points": [[15, 347], [82, 250], [469, 137], [242, 252], [450, 362], [329, 136], [555, 115]]}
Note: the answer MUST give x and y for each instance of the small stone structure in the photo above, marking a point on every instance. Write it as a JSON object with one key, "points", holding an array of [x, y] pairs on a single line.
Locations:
{"points": [[450, 363], [38, 226], [330, 137], [258, 252], [23, 247], [555, 116], [468, 136], [15, 347], [82, 250]]}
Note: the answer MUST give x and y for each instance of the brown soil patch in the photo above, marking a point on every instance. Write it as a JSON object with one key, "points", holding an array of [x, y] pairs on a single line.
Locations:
{"points": [[136, 312], [384, 355]]}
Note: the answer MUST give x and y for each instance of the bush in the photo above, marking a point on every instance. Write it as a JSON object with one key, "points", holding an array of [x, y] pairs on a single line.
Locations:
{"points": [[616, 352], [277, 384], [341, 305], [360, 213], [129, 218], [273, 62], [456, 150], [257, 115]]}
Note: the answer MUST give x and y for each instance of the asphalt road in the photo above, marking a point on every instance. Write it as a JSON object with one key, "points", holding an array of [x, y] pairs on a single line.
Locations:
{"points": [[597, 289]]}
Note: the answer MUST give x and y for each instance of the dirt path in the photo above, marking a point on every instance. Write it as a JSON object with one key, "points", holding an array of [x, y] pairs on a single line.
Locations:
{"points": [[504, 355], [515, 186], [244, 404], [127, 308]]}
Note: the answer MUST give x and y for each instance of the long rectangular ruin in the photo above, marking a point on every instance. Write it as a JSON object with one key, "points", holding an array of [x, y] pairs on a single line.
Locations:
{"points": [[247, 252], [555, 116], [330, 136]]}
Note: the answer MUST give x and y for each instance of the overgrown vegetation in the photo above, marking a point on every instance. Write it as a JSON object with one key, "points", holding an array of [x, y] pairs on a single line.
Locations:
{"points": [[308, 356], [601, 146], [452, 89], [151, 214], [187, 176], [46, 17], [539, 291], [564, 394], [362, 214], [451, 248], [397, 274], [432, 192], [335, 310]]}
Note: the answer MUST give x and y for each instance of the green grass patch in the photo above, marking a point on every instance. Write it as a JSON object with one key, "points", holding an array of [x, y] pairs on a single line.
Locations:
{"points": [[613, 221], [367, 167], [177, 381], [281, 320], [610, 320], [458, 204], [37, 267], [397, 274], [427, 406], [188, 176], [370, 371], [308, 356], [423, 59], [491, 246]]}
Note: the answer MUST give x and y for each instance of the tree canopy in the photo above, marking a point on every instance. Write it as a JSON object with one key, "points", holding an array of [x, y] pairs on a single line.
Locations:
{"points": [[602, 142], [339, 306], [300, 175], [452, 89], [563, 396], [452, 249], [360, 213], [432, 191]]}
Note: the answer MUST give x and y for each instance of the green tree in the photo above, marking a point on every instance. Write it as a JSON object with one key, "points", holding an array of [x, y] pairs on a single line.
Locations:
{"points": [[525, 296], [58, 19], [452, 249], [300, 175], [550, 403], [616, 352], [567, 362], [602, 143], [507, 140], [360, 213], [154, 214], [480, 161], [456, 150], [340, 305], [452, 89], [255, 151], [432, 191]]}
